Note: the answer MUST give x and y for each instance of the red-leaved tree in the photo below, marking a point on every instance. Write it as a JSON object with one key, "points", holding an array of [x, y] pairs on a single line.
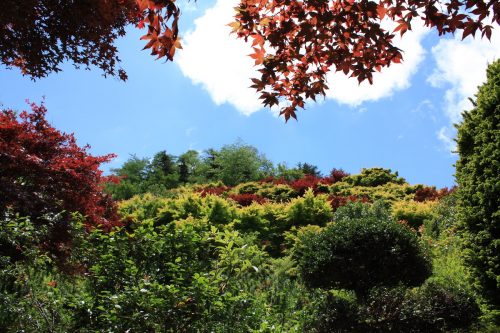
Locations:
{"points": [[44, 172], [296, 43]]}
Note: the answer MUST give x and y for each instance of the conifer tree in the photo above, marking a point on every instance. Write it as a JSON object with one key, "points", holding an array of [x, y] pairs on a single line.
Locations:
{"points": [[479, 187]]}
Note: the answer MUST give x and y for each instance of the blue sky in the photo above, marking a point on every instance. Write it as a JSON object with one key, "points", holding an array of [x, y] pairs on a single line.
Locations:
{"points": [[403, 122]]}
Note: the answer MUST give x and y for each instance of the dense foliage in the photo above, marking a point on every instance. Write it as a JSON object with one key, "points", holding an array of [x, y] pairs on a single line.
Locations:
{"points": [[39, 35], [479, 186], [203, 244], [45, 175], [198, 260], [364, 248]]}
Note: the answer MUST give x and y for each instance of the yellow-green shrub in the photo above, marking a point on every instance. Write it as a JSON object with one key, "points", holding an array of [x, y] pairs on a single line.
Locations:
{"points": [[415, 213], [141, 207], [217, 210], [309, 209], [277, 193]]}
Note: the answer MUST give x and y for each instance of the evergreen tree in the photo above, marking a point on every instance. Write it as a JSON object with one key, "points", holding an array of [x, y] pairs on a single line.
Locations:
{"points": [[477, 173]]}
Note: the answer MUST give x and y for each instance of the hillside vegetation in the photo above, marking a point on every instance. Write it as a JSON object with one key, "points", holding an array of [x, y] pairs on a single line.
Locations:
{"points": [[290, 252], [225, 241]]}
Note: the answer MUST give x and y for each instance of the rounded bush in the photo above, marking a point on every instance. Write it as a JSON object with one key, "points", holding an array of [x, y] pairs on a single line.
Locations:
{"points": [[361, 253]]}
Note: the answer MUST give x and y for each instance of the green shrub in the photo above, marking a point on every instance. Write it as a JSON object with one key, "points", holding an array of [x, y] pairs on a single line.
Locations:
{"points": [[251, 219], [374, 177], [142, 207], [309, 209], [278, 193], [246, 188], [336, 311], [430, 308], [216, 209], [178, 277], [360, 253], [444, 218]]}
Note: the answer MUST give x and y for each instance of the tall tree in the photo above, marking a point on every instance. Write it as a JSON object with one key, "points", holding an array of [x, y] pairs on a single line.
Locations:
{"points": [[162, 171], [132, 174], [46, 176], [44, 171], [210, 168], [478, 177], [309, 169], [236, 163], [189, 164]]}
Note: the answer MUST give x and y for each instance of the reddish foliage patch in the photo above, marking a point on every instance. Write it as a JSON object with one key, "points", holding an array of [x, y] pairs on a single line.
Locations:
{"points": [[44, 171], [336, 175], [273, 180], [308, 181], [213, 190], [297, 43], [428, 193], [337, 201], [246, 199]]}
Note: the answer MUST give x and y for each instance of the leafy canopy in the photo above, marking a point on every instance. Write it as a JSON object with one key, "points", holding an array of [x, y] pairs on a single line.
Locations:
{"points": [[296, 43], [44, 171]]}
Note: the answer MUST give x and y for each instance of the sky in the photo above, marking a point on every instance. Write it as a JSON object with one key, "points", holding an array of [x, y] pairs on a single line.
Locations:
{"points": [[404, 121]]}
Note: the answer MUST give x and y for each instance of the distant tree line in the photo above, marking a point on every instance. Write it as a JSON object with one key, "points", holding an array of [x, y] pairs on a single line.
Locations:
{"points": [[232, 164]]}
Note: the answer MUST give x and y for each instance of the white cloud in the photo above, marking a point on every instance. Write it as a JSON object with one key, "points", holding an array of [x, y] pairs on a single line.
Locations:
{"points": [[220, 63], [426, 109], [346, 90], [446, 135], [461, 67]]}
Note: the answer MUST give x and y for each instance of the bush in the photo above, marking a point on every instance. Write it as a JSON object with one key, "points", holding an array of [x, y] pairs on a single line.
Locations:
{"points": [[43, 172], [180, 277], [336, 175], [217, 210], [251, 219], [309, 209], [374, 177], [361, 252], [247, 188], [303, 184], [278, 193], [413, 212], [427, 309], [337, 201], [142, 207]]}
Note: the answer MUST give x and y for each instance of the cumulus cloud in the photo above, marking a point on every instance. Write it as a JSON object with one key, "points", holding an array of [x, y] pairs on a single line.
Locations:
{"points": [[446, 135], [346, 90], [460, 69], [220, 63]]}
